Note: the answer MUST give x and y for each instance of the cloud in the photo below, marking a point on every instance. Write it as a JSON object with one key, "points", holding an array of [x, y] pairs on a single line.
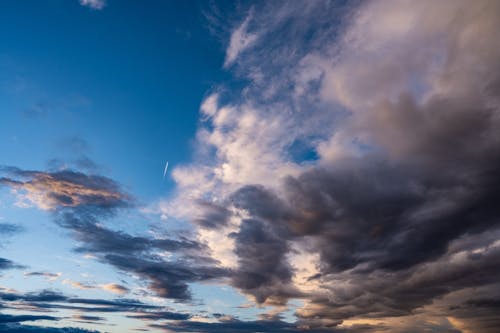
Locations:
{"points": [[234, 326], [49, 276], [4, 318], [397, 205], [9, 264], [240, 40], [80, 202], [356, 171], [167, 279], [263, 269], [38, 329], [88, 319], [115, 288], [160, 315], [51, 190], [109, 287], [94, 4], [48, 299]]}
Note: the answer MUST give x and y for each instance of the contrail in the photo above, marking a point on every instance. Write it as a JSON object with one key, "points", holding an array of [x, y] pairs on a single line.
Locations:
{"points": [[165, 171]]}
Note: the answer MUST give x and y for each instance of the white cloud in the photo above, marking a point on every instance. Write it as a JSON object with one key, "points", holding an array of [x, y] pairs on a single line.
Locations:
{"points": [[94, 4], [240, 40]]}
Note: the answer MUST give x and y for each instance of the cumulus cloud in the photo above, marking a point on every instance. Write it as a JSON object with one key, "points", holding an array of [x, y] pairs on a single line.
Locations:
{"points": [[396, 104]]}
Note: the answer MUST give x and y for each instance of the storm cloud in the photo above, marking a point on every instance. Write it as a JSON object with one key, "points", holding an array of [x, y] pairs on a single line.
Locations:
{"points": [[395, 211]]}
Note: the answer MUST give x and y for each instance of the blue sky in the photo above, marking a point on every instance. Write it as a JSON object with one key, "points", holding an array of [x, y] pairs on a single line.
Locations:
{"points": [[74, 72], [331, 166]]}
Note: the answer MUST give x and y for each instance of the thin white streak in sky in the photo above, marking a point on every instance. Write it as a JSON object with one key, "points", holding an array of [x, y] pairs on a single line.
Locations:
{"points": [[165, 170]]}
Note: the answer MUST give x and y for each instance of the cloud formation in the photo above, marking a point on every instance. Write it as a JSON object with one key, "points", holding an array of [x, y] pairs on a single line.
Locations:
{"points": [[94, 4], [8, 264], [240, 40], [52, 190], [48, 275], [38, 329], [356, 171], [80, 203], [357, 168]]}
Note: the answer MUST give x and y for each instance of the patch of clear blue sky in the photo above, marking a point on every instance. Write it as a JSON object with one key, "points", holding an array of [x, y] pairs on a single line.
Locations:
{"points": [[127, 79]]}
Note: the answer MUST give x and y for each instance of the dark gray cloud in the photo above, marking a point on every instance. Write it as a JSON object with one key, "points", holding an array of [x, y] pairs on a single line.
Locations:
{"points": [[89, 319], [391, 231], [167, 279], [263, 269], [48, 300], [38, 329], [161, 315], [9, 264], [47, 275], [4, 318], [42, 296], [213, 215], [81, 202], [235, 326]]}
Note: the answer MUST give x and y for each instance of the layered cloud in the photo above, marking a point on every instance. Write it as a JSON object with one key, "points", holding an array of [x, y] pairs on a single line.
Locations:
{"points": [[80, 203], [50, 191], [48, 275]]}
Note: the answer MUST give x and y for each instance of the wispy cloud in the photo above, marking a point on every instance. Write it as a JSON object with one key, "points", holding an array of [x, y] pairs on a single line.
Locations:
{"points": [[9, 229], [94, 4], [109, 287], [115, 288], [49, 276], [241, 39], [9, 264]]}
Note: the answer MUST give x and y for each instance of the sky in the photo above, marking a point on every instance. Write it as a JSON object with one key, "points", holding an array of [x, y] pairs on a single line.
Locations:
{"points": [[332, 166]]}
